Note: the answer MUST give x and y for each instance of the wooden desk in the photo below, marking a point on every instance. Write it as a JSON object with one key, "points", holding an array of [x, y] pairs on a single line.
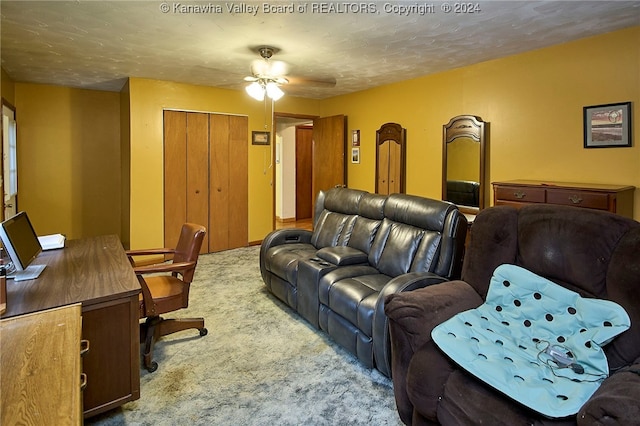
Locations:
{"points": [[96, 273], [40, 368]]}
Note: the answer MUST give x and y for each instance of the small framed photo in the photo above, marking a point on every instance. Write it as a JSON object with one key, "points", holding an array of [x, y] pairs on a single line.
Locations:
{"points": [[607, 126], [260, 138], [355, 155], [355, 137]]}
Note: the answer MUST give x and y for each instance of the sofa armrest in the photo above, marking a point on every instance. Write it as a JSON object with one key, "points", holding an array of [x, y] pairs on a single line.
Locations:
{"points": [[402, 283], [616, 400], [286, 236], [279, 237], [342, 255]]}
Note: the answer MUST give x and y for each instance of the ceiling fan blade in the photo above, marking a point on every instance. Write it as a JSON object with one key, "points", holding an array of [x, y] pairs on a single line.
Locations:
{"points": [[318, 82], [251, 78]]}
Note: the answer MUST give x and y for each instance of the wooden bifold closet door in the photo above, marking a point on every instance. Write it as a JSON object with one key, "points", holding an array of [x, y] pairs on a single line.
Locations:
{"points": [[205, 177]]}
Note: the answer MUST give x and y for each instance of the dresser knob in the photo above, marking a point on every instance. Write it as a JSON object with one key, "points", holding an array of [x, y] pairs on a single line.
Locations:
{"points": [[575, 199], [519, 195]]}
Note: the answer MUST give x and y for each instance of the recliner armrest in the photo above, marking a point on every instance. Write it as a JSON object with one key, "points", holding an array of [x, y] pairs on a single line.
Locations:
{"points": [[616, 400], [279, 237], [381, 340], [286, 236], [416, 313], [342, 255]]}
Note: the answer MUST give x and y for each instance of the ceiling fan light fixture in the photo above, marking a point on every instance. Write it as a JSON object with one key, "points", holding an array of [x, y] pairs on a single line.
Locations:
{"points": [[273, 91], [256, 91]]}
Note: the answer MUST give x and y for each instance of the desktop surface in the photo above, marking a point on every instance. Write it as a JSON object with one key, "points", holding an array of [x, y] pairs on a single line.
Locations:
{"points": [[89, 271]]}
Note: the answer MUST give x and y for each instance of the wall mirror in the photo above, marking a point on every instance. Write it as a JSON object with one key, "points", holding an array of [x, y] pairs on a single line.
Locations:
{"points": [[391, 141], [463, 162]]}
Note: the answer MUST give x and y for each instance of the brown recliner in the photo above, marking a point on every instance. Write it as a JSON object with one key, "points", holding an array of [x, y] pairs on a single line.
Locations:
{"points": [[596, 254], [168, 289]]}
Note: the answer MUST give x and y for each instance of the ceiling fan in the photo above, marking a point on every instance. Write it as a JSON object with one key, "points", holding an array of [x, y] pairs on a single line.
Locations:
{"points": [[267, 75]]}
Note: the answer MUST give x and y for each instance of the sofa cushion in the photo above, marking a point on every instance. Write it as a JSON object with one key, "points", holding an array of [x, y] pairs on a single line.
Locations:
{"points": [[328, 229], [420, 212], [352, 292], [363, 233], [535, 341], [394, 248]]}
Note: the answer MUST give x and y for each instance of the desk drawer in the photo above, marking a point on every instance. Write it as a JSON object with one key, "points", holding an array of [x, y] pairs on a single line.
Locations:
{"points": [[520, 194], [590, 200]]}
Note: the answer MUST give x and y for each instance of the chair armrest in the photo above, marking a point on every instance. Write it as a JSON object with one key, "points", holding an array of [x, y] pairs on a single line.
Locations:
{"points": [[616, 400], [147, 252], [143, 252], [381, 341], [163, 267]]}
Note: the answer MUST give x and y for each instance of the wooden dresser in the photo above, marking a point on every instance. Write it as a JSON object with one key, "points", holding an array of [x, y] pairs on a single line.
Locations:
{"points": [[613, 198]]}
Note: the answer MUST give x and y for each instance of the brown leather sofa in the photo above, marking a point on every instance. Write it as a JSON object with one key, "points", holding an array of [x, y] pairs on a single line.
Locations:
{"points": [[593, 253], [363, 247]]}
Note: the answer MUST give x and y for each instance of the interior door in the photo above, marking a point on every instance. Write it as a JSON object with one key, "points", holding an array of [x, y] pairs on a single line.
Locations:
{"points": [[304, 146], [9, 175], [329, 145]]}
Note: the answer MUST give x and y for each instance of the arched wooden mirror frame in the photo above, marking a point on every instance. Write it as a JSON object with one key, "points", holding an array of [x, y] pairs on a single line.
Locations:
{"points": [[465, 126], [391, 159]]}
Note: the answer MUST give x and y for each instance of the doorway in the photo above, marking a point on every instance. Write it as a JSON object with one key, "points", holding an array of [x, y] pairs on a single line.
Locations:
{"points": [[325, 164], [293, 169], [9, 175]]}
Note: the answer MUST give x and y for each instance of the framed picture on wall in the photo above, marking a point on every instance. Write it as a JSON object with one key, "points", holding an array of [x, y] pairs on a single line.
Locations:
{"points": [[260, 138], [607, 126], [355, 155]]}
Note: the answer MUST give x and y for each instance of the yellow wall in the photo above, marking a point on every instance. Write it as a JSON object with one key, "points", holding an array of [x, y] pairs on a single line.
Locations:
{"points": [[74, 142], [148, 98], [533, 102], [69, 159], [7, 88]]}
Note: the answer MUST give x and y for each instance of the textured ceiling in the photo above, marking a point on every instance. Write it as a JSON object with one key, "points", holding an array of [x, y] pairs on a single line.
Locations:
{"points": [[98, 44]]}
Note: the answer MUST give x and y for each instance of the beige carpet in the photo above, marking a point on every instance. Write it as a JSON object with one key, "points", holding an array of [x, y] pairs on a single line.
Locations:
{"points": [[260, 364]]}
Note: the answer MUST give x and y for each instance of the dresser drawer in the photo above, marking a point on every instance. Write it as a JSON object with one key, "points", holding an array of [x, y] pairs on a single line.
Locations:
{"points": [[590, 200], [520, 194]]}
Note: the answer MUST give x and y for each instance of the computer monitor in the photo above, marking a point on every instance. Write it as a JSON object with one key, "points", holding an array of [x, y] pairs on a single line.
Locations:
{"points": [[20, 240]]}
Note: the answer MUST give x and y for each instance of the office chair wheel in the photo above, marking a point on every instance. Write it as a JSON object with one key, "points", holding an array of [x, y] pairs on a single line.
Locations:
{"points": [[203, 331], [152, 367]]}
